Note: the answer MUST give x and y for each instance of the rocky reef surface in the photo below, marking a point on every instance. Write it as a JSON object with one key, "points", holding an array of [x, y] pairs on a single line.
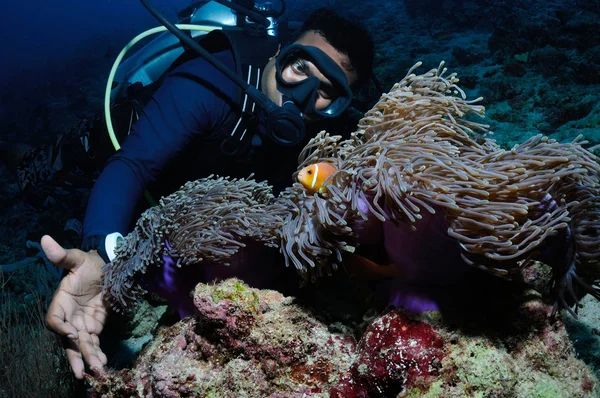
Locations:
{"points": [[244, 342]]}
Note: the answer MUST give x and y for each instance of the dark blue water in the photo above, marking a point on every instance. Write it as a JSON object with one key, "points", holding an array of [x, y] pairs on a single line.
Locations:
{"points": [[55, 56]]}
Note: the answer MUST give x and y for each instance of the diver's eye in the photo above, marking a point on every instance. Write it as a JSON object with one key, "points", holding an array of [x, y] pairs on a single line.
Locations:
{"points": [[300, 67]]}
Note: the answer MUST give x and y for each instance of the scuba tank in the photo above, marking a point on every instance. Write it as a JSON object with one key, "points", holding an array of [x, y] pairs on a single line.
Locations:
{"points": [[148, 65]]}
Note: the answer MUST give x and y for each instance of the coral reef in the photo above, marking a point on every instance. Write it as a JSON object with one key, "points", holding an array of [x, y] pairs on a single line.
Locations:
{"points": [[248, 342], [242, 342], [534, 62]]}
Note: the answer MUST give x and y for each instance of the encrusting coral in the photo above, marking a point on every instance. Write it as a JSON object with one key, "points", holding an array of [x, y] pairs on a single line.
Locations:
{"points": [[416, 153], [245, 342]]}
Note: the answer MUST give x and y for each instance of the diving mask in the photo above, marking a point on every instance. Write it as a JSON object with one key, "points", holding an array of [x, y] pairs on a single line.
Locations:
{"points": [[303, 93]]}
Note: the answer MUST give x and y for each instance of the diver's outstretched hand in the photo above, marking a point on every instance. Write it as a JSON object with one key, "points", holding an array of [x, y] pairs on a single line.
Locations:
{"points": [[77, 311]]}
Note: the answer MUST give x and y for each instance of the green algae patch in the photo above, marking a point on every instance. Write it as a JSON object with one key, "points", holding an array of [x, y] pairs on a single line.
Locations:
{"points": [[239, 286], [482, 367], [435, 391], [235, 291], [476, 368], [541, 386], [542, 365]]}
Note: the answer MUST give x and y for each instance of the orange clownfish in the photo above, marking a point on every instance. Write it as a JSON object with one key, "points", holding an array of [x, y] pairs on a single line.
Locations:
{"points": [[313, 177]]}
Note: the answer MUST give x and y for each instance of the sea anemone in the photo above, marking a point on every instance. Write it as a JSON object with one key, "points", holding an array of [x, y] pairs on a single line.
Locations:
{"points": [[207, 221], [419, 151]]}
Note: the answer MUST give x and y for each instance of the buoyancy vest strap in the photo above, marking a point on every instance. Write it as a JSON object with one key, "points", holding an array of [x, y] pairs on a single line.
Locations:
{"points": [[251, 54], [239, 140]]}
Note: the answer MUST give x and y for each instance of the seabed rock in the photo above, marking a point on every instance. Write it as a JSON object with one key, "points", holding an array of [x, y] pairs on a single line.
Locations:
{"points": [[245, 342]]}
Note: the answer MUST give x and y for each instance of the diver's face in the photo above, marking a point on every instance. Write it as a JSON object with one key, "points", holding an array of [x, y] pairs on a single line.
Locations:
{"points": [[300, 69]]}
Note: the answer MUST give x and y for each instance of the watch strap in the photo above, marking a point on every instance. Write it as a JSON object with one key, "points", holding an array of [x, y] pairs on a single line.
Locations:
{"points": [[96, 242]]}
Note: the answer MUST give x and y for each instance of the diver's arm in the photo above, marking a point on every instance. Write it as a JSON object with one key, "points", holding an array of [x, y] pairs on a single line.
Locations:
{"points": [[185, 106]]}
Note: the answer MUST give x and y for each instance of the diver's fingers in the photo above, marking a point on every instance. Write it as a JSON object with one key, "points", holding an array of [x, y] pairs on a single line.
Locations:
{"points": [[60, 257], [101, 355], [56, 320], [75, 359], [89, 350]]}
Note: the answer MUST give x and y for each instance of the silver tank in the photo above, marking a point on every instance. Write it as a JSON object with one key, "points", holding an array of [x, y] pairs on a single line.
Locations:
{"points": [[151, 61]]}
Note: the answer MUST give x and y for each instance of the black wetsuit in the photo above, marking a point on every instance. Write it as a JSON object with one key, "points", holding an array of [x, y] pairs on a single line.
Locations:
{"points": [[178, 139]]}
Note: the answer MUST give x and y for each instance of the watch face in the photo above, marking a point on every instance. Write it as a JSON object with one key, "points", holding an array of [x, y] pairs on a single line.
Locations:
{"points": [[110, 244]]}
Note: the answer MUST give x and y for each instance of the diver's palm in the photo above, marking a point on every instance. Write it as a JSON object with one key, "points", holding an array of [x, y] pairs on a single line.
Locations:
{"points": [[81, 302]]}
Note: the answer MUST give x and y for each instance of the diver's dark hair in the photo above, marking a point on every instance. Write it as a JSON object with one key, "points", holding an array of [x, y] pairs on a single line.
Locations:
{"points": [[349, 38]]}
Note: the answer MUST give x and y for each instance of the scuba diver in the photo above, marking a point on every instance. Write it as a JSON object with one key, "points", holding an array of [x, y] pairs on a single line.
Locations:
{"points": [[201, 120]]}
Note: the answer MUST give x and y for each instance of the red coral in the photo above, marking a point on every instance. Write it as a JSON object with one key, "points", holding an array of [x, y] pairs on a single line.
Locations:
{"points": [[396, 352]]}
